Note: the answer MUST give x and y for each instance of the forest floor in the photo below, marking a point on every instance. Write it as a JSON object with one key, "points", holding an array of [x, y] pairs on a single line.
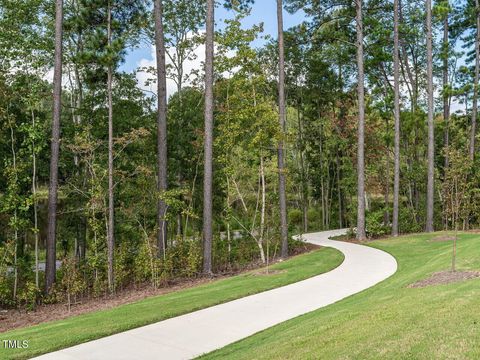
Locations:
{"points": [[54, 335], [19, 318], [397, 319]]}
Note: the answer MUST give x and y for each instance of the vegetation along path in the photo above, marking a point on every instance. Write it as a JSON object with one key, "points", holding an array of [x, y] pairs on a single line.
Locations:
{"points": [[200, 332]]}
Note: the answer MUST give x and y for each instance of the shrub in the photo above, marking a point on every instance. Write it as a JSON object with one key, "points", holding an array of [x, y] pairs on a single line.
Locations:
{"points": [[375, 226], [407, 222], [71, 283], [6, 294], [295, 217], [313, 215], [29, 295]]}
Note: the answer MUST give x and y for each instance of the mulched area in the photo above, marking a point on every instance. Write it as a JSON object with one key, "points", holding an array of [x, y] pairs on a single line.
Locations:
{"points": [[19, 318], [446, 277], [442, 238], [265, 272]]}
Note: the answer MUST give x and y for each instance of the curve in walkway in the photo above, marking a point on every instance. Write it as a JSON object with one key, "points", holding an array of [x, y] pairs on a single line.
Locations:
{"points": [[200, 332]]}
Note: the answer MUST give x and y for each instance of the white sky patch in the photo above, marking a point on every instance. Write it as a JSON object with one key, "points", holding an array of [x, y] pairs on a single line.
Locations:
{"points": [[147, 81], [195, 63], [66, 79]]}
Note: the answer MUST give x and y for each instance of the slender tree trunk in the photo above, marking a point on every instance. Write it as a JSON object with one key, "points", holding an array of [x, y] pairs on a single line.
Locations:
{"points": [[208, 166], [82, 224], [396, 75], [302, 170], [341, 216], [111, 204], [339, 191], [446, 95], [35, 201], [50, 266], [228, 218], [473, 132], [161, 129], [361, 235], [180, 230], [15, 259], [192, 196], [15, 217], [431, 139], [328, 196], [455, 211], [386, 214], [320, 167], [262, 213], [281, 144]]}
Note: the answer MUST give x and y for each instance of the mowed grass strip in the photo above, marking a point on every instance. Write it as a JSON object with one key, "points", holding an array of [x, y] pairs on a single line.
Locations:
{"points": [[57, 335], [390, 320]]}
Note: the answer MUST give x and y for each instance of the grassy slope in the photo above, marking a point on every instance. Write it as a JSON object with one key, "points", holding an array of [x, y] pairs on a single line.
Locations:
{"points": [[60, 334], [388, 321]]}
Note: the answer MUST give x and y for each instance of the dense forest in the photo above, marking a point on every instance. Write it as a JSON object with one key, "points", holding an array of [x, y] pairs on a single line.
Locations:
{"points": [[362, 116]]}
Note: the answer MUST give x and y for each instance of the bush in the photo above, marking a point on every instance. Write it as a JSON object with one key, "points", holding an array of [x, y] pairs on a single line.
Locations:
{"points": [[240, 253], [29, 296], [295, 217], [313, 215], [183, 259], [124, 261], [71, 283], [6, 294], [407, 222], [375, 226], [352, 233]]}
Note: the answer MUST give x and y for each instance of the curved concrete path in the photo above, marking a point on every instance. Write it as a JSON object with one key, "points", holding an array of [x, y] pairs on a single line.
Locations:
{"points": [[200, 332]]}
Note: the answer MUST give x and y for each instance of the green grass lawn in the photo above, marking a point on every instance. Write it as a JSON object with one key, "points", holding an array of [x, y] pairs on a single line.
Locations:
{"points": [[56, 335], [388, 321]]}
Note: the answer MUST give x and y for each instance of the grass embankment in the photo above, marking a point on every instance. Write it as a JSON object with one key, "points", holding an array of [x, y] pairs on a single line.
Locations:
{"points": [[390, 320], [56, 335]]}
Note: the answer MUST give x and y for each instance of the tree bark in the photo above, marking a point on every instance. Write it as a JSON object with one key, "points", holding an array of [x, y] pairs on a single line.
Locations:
{"points": [[386, 213], [475, 83], [15, 217], [339, 190], [208, 141], [396, 85], [281, 144], [304, 189], [431, 139], [161, 129], [77, 120], [446, 95], [320, 166], [361, 234], [35, 202], [111, 204], [50, 266], [262, 213]]}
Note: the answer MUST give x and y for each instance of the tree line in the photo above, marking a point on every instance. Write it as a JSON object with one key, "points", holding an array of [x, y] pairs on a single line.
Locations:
{"points": [[344, 120]]}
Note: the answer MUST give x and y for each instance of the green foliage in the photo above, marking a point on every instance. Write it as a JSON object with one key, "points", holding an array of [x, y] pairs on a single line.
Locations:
{"points": [[29, 296], [320, 140], [6, 275], [375, 226], [78, 329], [295, 217], [408, 221], [457, 189], [184, 260], [71, 282], [313, 215], [6, 295]]}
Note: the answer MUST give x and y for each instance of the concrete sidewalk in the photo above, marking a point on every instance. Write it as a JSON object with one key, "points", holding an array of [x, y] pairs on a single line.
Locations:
{"points": [[200, 332]]}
